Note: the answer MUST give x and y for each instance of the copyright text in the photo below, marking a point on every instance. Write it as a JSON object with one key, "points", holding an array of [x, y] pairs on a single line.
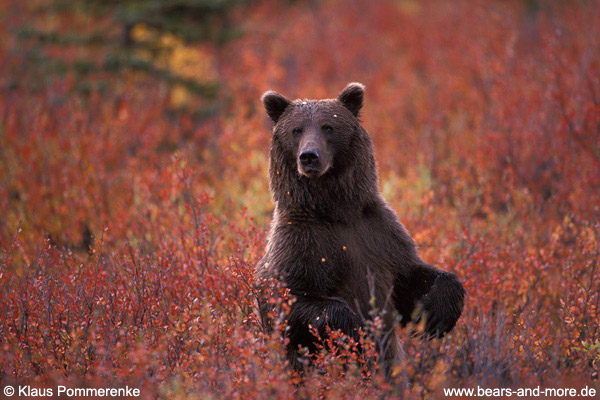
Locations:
{"points": [[30, 391]]}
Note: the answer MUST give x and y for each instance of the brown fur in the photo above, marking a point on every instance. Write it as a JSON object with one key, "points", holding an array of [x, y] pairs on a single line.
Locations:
{"points": [[331, 230]]}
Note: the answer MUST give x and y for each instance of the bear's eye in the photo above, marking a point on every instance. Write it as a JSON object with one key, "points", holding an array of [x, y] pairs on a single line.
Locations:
{"points": [[297, 131], [327, 128]]}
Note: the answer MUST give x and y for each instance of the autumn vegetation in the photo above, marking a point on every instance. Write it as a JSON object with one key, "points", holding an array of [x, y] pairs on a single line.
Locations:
{"points": [[134, 200]]}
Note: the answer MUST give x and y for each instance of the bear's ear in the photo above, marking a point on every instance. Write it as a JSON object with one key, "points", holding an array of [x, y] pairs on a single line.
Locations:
{"points": [[352, 97], [275, 104]]}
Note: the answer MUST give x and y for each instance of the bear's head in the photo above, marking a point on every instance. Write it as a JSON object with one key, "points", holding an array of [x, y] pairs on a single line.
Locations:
{"points": [[315, 132], [320, 154]]}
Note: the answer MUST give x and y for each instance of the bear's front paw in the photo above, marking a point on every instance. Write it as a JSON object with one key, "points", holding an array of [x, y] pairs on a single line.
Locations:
{"points": [[443, 304]]}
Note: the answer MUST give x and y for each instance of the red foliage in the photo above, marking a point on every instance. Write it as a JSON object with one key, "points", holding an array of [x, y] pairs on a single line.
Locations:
{"points": [[129, 235]]}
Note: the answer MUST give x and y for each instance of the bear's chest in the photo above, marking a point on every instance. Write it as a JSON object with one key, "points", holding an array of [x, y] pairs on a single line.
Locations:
{"points": [[316, 257]]}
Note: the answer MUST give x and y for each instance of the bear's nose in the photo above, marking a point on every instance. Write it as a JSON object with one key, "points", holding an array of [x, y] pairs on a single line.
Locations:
{"points": [[309, 157]]}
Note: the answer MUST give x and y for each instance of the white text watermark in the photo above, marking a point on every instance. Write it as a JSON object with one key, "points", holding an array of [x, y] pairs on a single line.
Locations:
{"points": [[25, 391], [521, 392]]}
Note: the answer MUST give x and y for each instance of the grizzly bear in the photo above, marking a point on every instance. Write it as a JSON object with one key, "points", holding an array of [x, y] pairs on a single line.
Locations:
{"points": [[334, 242]]}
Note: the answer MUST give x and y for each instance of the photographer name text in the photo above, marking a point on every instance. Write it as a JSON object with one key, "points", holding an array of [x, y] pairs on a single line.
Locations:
{"points": [[36, 392]]}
